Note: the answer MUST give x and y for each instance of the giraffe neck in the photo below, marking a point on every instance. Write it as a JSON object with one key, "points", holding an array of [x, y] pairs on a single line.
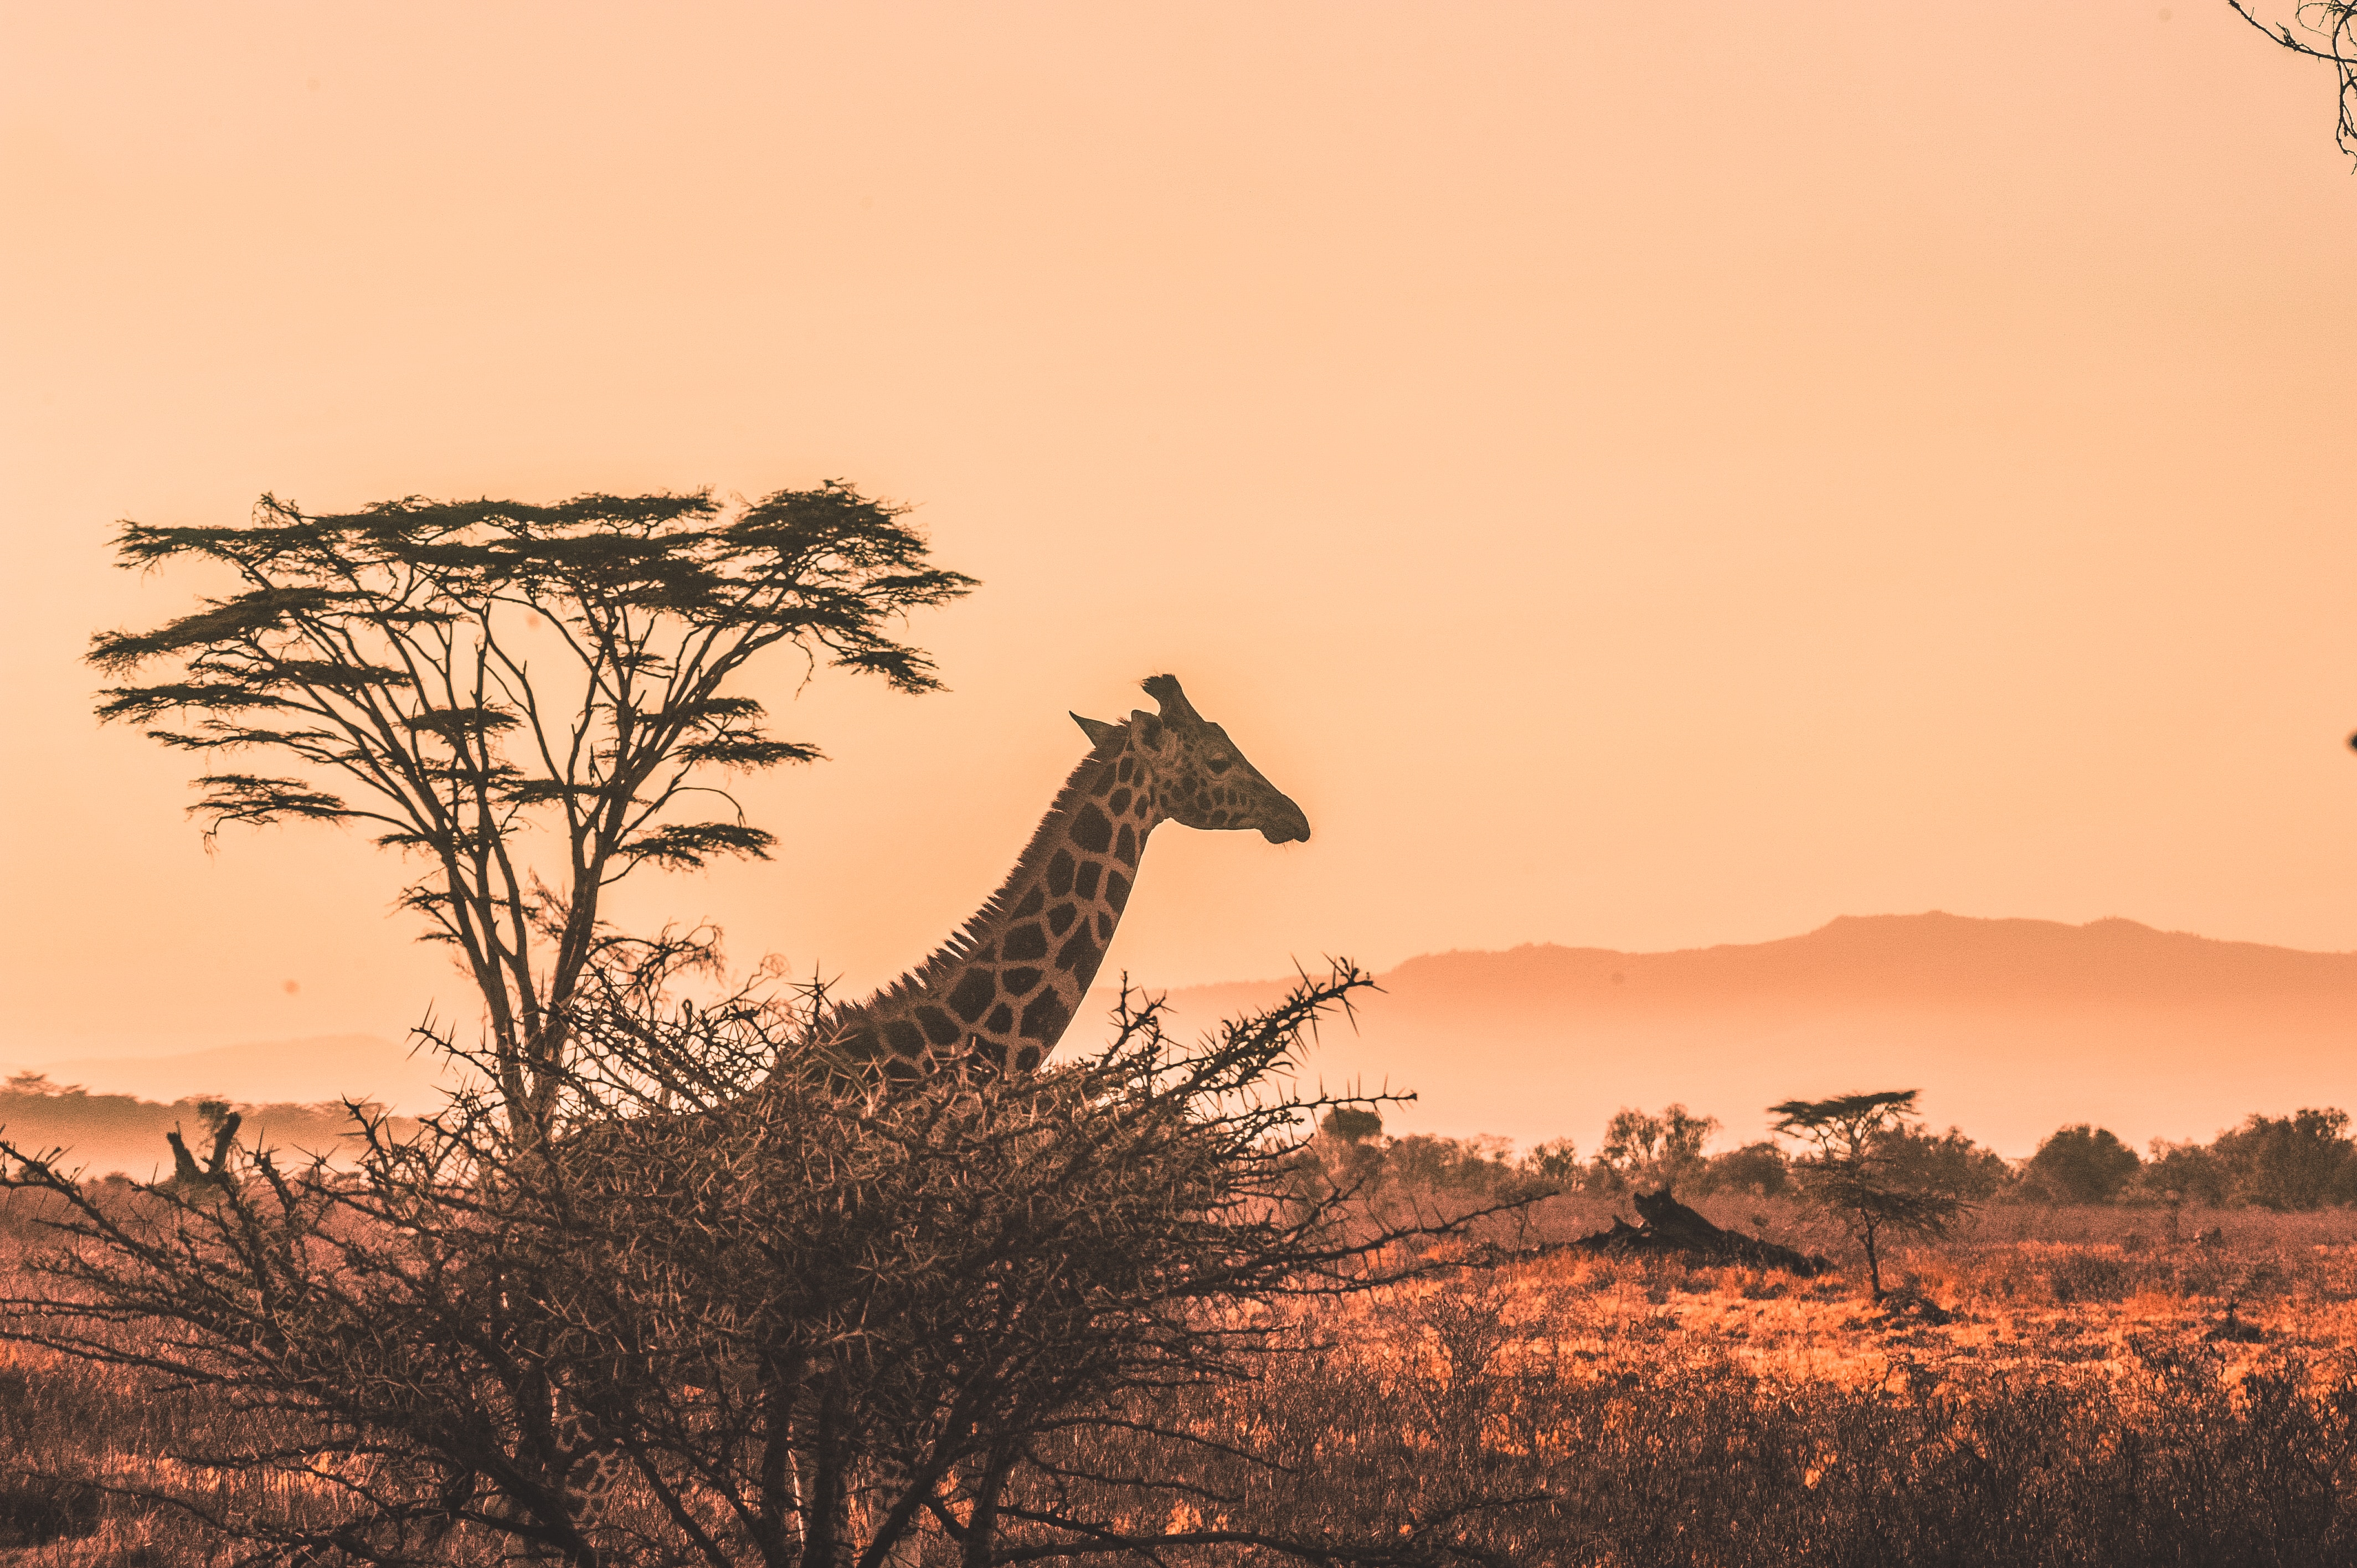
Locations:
{"points": [[1001, 992]]}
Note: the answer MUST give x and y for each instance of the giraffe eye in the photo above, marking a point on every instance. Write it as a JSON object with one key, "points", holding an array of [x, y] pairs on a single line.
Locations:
{"points": [[1220, 764]]}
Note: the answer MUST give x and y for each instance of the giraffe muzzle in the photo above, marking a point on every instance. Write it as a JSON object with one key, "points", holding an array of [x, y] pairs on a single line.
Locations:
{"points": [[1286, 823]]}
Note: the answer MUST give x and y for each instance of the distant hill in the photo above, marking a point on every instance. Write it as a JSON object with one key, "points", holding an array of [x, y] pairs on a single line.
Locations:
{"points": [[322, 1067], [2010, 1027], [103, 1132]]}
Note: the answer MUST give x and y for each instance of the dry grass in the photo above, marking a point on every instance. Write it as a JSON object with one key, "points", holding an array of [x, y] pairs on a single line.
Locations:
{"points": [[2074, 1411], [2031, 1286]]}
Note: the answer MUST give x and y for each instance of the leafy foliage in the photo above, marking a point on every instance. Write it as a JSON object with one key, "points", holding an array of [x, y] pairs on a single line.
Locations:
{"points": [[1946, 1162], [2186, 1172], [1656, 1152], [2082, 1165], [1759, 1168], [453, 676], [2301, 1160]]}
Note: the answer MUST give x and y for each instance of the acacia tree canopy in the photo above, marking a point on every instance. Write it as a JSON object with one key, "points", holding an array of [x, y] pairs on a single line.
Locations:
{"points": [[453, 674]]}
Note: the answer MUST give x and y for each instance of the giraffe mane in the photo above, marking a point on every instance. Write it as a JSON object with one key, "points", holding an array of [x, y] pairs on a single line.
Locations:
{"points": [[1044, 840]]}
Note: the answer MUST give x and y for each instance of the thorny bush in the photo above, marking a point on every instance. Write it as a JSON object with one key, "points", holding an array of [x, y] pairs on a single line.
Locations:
{"points": [[788, 1317]]}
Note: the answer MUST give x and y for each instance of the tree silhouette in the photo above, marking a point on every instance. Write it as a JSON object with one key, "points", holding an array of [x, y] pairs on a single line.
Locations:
{"points": [[1662, 1152], [1858, 1170], [2297, 1162], [2083, 1164], [451, 675], [2331, 29]]}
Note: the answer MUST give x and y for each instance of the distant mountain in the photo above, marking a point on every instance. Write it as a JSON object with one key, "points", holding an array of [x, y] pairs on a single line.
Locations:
{"points": [[2010, 1027]]}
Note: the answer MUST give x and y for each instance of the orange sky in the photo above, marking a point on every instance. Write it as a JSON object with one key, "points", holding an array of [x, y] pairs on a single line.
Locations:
{"points": [[1637, 478]]}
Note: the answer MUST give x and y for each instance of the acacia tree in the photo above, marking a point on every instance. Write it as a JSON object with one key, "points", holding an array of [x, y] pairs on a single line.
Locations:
{"points": [[1861, 1168], [453, 676], [2328, 32]]}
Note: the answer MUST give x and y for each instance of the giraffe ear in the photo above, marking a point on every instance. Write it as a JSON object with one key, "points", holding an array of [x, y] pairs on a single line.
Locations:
{"points": [[1097, 730]]}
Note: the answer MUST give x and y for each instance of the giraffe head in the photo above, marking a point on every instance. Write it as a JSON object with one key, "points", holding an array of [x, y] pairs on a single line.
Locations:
{"points": [[1195, 773]]}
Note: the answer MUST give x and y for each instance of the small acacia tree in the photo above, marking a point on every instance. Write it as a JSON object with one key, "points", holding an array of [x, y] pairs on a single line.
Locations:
{"points": [[1858, 1168], [452, 675]]}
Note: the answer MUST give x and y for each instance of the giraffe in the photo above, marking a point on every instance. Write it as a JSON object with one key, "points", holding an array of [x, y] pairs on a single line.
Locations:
{"points": [[998, 994], [998, 997]]}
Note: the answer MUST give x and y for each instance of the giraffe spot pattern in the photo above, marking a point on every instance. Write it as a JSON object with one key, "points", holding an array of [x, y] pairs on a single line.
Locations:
{"points": [[938, 1026], [1091, 831], [1104, 927], [1060, 919], [1124, 849], [1059, 874], [1128, 766], [1079, 955], [1033, 902], [1027, 1058], [1119, 804], [974, 990], [1024, 942], [1002, 1019], [1018, 981], [1045, 1018], [905, 1038], [1116, 890], [1084, 881]]}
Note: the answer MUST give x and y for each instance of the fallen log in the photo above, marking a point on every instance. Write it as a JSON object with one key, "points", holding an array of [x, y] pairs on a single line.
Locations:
{"points": [[1670, 1227]]}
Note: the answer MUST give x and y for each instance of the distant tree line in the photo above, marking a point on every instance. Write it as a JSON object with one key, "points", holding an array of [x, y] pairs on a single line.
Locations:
{"points": [[2303, 1161]]}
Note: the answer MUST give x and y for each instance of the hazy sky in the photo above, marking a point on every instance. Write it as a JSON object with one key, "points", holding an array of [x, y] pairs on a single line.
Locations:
{"points": [[1638, 478]]}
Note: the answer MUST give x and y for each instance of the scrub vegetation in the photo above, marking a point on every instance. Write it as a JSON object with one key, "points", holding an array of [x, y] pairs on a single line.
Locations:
{"points": [[2084, 1407], [2118, 1383]]}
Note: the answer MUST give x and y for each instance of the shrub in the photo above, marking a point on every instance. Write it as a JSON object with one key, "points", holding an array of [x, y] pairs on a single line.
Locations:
{"points": [[1758, 1168], [1555, 1163], [2187, 1170], [2082, 1165], [2296, 1162], [1945, 1162], [1644, 1151], [1466, 1166], [2089, 1276]]}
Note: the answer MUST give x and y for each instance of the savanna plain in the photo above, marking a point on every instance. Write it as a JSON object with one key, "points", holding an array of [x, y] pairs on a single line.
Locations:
{"points": [[2122, 1382]]}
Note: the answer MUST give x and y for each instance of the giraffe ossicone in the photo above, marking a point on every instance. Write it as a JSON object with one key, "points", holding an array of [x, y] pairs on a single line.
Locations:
{"points": [[1000, 992]]}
